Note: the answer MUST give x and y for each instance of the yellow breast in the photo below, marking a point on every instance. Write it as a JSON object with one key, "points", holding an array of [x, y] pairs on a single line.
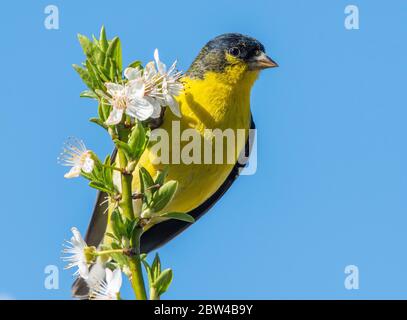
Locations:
{"points": [[219, 101]]}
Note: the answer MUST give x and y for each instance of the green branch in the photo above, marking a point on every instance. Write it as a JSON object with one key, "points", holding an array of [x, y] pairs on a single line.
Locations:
{"points": [[137, 280], [126, 204]]}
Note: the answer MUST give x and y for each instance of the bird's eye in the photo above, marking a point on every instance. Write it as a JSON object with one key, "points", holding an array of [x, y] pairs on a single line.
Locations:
{"points": [[234, 51], [257, 52]]}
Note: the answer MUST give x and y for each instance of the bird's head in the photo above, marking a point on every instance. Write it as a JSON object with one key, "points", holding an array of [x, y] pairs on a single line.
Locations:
{"points": [[231, 54]]}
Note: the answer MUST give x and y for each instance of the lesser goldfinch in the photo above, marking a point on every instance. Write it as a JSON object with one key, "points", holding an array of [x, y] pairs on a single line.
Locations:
{"points": [[216, 96]]}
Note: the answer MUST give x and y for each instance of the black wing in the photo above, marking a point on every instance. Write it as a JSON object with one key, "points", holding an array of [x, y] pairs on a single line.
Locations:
{"points": [[163, 232]]}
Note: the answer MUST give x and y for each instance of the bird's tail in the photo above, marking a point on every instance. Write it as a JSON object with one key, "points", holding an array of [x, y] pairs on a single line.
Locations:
{"points": [[94, 236]]}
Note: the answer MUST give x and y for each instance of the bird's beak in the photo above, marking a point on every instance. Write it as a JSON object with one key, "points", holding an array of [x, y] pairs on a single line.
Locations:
{"points": [[261, 62]]}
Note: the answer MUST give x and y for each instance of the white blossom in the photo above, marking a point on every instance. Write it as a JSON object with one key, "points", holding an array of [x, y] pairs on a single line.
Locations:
{"points": [[104, 285], [128, 98], [145, 92], [170, 86], [76, 155], [151, 91], [77, 257]]}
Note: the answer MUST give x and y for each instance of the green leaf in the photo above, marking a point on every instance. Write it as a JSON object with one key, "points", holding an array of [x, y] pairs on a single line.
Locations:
{"points": [[86, 45], [87, 175], [101, 94], [156, 267], [164, 195], [108, 64], [103, 73], [88, 94], [148, 270], [111, 50], [161, 175], [146, 181], [135, 64], [103, 111], [84, 74], [164, 280], [146, 178], [111, 235], [98, 122], [98, 56], [178, 216], [131, 226], [118, 57], [108, 161], [137, 140], [91, 49], [98, 164], [118, 257], [118, 226], [103, 40], [108, 173], [112, 68], [95, 76], [95, 40], [123, 146], [100, 186]]}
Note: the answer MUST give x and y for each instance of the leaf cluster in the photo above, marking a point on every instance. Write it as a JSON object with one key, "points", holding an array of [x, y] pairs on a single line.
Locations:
{"points": [[157, 193], [158, 279], [101, 177], [103, 64]]}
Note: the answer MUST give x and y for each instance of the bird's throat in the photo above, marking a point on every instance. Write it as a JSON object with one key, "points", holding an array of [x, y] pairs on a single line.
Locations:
{"points": [[219, 100]]}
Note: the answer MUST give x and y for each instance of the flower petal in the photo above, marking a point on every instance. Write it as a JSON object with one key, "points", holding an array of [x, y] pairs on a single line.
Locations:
{"points": [[156, 56], [173, 105], [109, 275], [172, 68], [77, 236], [175, 88], [114, 88], [96, 275], [115, 282], [135, 88], [115, 117], [156, 106], [73, 173], [132, 73], [149, 70], [160, 66], [140, 108], [88, 165], [83, 270]]}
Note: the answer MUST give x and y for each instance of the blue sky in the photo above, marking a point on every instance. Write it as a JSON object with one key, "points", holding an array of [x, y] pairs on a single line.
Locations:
{"points": [[331, 184]]}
